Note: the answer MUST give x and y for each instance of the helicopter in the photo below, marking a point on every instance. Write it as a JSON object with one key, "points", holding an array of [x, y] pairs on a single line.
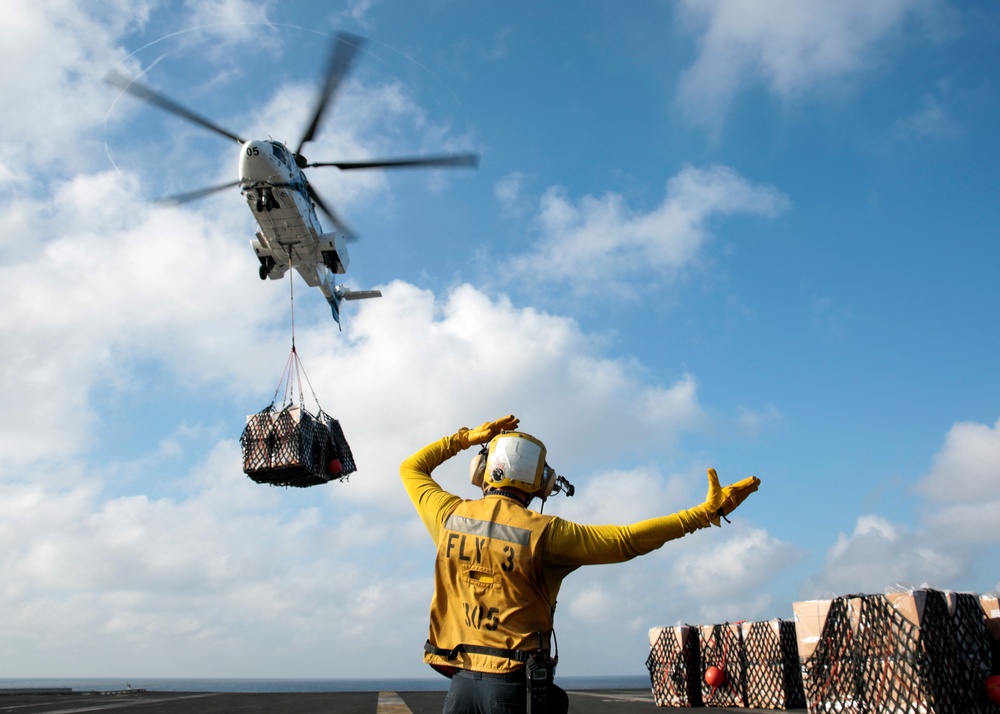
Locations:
{"points": [[272, 179]]}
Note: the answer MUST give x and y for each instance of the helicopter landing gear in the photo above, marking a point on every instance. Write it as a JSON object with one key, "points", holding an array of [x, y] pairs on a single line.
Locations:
{"points": [[266, 201], [266, 265]]}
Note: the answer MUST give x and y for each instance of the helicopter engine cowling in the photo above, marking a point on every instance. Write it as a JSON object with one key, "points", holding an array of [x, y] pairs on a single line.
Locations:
{"points": [[333, 248]]}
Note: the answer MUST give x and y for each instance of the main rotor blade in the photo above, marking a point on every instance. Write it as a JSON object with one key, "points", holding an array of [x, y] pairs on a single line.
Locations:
{"points": [[342, 55], [195, 195], [448, 160], [137, 89], [338, 224]]}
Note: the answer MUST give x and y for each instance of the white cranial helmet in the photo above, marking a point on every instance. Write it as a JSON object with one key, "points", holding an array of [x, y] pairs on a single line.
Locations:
{"points": [[514, 460]]}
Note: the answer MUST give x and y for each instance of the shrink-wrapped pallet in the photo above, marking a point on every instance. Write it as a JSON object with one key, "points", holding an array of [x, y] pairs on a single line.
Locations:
{"points": [[674, 672]]}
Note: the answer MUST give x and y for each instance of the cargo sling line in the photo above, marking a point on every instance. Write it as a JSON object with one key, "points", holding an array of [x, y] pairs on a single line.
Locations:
{"points": [[290, 446], [293, 361]]}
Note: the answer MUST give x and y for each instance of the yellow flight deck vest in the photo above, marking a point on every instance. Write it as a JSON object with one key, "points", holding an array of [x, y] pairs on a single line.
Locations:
{"points": [[489, 594]]}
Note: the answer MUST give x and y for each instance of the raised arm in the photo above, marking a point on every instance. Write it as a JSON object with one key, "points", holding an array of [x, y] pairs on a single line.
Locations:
{"points": [[572, 544], [432, 502]]}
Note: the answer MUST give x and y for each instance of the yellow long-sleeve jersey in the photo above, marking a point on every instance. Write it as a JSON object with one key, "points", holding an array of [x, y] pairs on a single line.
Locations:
{"points": [[567, 545]]}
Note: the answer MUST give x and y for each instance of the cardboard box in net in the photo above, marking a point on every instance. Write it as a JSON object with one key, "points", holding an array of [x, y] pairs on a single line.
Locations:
{"points": [[722, 646], [673, 666], [915, 652], [773, 677], [991, 608], [825, 653]]}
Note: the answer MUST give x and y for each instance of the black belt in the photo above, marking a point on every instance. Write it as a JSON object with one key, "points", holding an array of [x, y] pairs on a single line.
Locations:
{"points": [[515, 677], [516, 655]]}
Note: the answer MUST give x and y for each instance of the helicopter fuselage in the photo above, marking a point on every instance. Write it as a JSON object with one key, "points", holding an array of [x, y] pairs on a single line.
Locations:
{"points": [[275, 187], [289, 232]]}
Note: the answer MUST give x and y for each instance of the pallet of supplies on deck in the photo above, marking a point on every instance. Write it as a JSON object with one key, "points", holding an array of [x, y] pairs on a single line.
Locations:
{"points": [[991, 607], [721, 650], [773, 677], [913, 652], [673, 666]]}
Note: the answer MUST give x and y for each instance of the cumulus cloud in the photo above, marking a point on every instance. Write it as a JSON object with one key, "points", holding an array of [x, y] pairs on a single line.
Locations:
{"points": [[963, 484], [55, 98], [790, 47], [599, 247], [880, 555]]}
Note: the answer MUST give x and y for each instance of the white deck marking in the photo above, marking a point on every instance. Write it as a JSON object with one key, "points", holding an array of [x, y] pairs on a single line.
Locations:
{"points": [[391, 703], [609, 697], [130, 701]]}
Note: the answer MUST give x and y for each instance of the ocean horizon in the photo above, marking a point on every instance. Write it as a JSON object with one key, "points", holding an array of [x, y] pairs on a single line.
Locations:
{"points": [[259, 685]]}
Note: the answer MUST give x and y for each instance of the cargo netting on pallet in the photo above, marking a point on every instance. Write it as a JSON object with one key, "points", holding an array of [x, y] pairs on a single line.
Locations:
{"points": [[873, 659], [722, 646], [673, 667], [291, 447], [771, 665]]}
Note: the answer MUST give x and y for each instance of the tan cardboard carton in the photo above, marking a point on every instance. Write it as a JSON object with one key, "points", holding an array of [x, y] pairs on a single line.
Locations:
{"points": [[673, 666], [991, 606], [773, 678], [722, 646]]}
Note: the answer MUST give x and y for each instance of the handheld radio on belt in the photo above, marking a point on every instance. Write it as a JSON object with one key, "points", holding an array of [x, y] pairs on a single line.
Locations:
{"points": [[540, 669]]}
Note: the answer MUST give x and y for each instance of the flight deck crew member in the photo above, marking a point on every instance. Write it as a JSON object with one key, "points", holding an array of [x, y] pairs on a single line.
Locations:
{"points": [[500, 565]]}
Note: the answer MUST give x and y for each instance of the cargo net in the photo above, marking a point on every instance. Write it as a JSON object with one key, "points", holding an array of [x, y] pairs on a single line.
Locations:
{"points": [[673, 669], [722, 646], [773, 677], [884, 663], [291, 447]]}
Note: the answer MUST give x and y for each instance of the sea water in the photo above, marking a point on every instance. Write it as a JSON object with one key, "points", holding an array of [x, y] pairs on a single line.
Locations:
{"points": [[156, 684]]}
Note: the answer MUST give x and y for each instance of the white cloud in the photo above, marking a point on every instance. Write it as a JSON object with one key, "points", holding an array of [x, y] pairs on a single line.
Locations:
{"points": [[880, 555], [508, 192], [963, 485], [600, 247], [967, 468], [791, 47], [55, 99], [742, 563]]}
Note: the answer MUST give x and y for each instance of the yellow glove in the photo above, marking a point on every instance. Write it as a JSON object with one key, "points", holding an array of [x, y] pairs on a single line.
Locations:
{"points": [[723, 501], [485, 432]]}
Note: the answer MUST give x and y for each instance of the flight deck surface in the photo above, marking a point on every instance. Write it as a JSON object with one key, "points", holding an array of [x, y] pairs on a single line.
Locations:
{"points": [[588, 701]]}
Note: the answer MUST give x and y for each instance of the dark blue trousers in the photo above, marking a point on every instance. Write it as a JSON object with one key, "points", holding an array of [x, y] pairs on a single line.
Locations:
{"points": [[482, 693]]}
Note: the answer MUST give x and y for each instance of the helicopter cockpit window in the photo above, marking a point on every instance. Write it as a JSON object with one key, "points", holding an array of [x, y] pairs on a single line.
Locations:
{"points": [[279, 151]]}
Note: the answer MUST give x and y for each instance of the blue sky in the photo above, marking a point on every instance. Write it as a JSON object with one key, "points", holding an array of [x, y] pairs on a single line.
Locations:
{"points": [[759, 237]]}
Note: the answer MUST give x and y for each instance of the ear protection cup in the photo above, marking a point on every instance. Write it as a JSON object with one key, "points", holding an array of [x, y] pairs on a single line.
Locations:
{"points": [[548, 482], [477, 470]]}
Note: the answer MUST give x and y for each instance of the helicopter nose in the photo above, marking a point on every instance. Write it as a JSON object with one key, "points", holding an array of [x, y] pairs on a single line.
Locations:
{"points": [[258, 162]]}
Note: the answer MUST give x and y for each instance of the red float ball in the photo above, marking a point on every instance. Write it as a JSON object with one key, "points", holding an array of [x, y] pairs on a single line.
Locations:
{"points": [[993, 688], [334, 467], [715, 677]]}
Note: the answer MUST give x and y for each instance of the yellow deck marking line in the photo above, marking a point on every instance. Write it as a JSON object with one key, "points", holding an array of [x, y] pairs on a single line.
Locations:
{"points": [[391, 703]]}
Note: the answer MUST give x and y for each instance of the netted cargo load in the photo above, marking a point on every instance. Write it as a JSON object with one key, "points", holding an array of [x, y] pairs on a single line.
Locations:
{"points": [[916, 652], [291, 447], [991, 606], [721, 646], [673, 664], [773, 676]]}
